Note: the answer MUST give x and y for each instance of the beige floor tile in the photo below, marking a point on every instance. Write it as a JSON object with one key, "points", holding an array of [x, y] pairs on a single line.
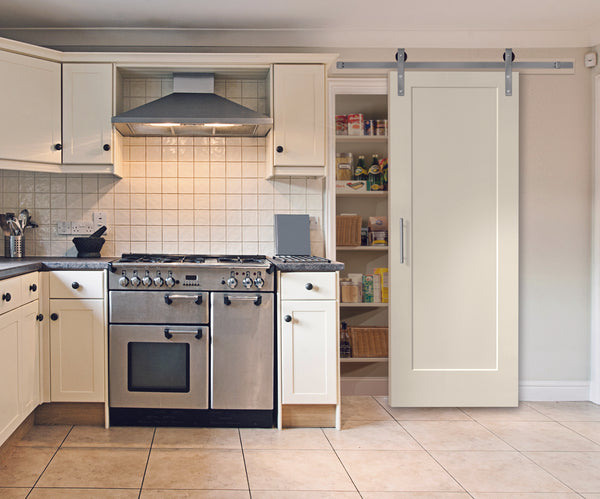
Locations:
{"points": [[453, 435], [568, 411], [591, 496], [291, 438], [526, 495], [589, 429], [196, 469], [44, 436], [522, 413], [363, 408], [489, 471], [540, 436], [195, 494], [302, 494], [197, 438], [95, 468], [296, 470], [423, 413], [60, 493], [14, 493], [401, 471], [415, 495], [371, 435], [22, 466], [116, 436], [579, 470]]}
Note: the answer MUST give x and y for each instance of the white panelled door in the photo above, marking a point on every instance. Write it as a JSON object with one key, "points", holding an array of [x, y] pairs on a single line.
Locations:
{"points": [[454, 165]]}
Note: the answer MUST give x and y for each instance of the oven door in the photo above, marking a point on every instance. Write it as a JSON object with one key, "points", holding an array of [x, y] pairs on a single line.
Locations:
{"points": [[158, 366]]}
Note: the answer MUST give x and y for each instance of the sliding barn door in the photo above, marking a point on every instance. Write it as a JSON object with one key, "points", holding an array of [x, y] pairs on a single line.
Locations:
{"points": [[454, 168]]}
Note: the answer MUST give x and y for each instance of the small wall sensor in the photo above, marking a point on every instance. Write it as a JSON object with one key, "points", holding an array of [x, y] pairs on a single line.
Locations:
{"points": [[590, 59]]}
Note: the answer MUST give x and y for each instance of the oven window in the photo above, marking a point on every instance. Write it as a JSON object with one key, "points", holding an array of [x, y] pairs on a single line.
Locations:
{"points": [[158, 367]]}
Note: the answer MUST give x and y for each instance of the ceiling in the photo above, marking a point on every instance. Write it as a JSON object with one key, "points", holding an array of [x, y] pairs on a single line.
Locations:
{"points": [[309, 23]]}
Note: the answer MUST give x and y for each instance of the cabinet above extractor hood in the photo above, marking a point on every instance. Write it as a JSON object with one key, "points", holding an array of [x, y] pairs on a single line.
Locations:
{"points": [[193, 110]]}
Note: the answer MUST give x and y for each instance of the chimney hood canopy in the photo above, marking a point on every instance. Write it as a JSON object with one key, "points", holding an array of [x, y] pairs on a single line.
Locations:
{"points": [[193, 110]]}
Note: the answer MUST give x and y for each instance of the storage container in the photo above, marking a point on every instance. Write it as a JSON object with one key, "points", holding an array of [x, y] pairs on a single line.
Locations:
{"points": [[348, 230], [369, 341]]}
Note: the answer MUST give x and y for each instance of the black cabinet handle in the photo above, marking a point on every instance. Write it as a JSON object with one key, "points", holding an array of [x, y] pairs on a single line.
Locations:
{"points": [[58, 147], [39, 317], [33, 287], [288, 318], [75, 285], [6, 297], [279, 148], [54, 316], [308, 285], [106, 147]]}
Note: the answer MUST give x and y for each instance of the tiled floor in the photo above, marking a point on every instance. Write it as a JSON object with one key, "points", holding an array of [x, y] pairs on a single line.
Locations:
{"points": [[539, 450]]}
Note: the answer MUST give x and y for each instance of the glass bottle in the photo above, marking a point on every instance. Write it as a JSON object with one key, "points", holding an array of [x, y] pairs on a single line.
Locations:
{"points": [[360, 170], [375, 179], [345, 347]]}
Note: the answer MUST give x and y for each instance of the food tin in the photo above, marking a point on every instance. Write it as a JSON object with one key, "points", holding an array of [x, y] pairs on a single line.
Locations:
{"points": [[367, 288], [370, 127], [356, 124], [341, 124], [381, 127]]}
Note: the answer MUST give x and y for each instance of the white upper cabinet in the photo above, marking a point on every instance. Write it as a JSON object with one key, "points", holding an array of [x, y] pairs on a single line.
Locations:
{"points": [[31, 115], [87, 109], [298, 119]]}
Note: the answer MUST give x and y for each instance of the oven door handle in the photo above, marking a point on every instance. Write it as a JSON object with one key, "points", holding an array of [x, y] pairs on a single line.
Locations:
{"points": [[170, 332], [169, 298], [257, 299]]}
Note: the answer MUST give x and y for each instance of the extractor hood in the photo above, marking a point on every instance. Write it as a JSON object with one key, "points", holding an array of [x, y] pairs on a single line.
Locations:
{"points": [[193, 110]]}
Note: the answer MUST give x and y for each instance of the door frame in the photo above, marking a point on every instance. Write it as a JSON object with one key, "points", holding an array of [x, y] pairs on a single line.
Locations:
{"points": [[594, 394]]}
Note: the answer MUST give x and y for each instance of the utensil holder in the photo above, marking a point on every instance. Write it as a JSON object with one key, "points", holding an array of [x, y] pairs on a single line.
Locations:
{"points": [[14, 246]]}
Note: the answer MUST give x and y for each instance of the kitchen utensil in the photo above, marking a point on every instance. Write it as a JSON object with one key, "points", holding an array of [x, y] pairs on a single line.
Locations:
{"points": [[88, 247], [4, 224], [23, 217], [99, 232]]}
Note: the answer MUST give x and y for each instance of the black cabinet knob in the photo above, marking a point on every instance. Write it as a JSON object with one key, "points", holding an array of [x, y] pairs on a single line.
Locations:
{"points": [[58, 147], [75, 285], [288, 318], [308, 286], [39, 317], [54, 317], [6, 297], [279, 149], [106, 147], [33, 287]]}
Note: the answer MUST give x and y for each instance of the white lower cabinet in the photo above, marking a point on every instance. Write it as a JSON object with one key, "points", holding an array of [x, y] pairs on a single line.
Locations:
{"points": [[9, 373], [29, 358]]}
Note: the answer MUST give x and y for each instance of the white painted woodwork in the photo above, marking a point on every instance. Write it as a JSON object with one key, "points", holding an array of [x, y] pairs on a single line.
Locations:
{"points": [[454, 300], [30, 287], [77, 350], [87, 110], [294, 285], [31, 114], [29, 359], [90, 284], [299, 115], [309, 352], [9, 373], [10, 294]]}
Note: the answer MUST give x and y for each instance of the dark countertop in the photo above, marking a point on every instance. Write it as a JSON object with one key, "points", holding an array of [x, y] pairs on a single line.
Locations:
{"points": [[306, 266], [10, 267]]}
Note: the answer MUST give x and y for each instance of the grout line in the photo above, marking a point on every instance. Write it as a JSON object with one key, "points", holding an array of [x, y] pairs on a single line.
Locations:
{"points": [[147, 461], [341, 462], [244, 459]]}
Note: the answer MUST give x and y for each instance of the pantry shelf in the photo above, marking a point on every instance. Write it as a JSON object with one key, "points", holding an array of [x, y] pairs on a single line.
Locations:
{"points": [[361, 138], [376, 247], [369, 194], [363, 305], [363, 359]]}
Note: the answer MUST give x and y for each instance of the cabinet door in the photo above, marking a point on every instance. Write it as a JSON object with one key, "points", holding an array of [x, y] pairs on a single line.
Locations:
{"points": [[454, 153], [29, 358], [87, 110], [77, 350], [30, 124], [299, 114], [309, 352], [9, 373]]}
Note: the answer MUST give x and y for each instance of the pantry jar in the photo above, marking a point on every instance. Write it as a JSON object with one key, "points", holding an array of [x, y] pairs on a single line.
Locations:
{"points": [[351, 292]]}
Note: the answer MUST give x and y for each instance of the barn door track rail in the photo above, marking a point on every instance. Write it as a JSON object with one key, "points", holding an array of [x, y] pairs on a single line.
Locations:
{"points": [[508, 65]]}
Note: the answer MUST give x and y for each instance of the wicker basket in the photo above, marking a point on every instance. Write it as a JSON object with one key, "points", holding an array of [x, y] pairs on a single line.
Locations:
{"points": [[348, 230], [369, 341]]}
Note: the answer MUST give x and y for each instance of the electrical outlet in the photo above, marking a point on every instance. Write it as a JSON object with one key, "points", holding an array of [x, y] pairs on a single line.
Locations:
{"points": [[82, 228], [314, 222], [63, 227], [99, 218]]}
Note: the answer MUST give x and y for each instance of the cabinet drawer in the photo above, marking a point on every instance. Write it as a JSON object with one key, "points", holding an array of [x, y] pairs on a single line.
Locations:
{"points": [[308, 286], [76, 284], [10, 294], [30, 287]]}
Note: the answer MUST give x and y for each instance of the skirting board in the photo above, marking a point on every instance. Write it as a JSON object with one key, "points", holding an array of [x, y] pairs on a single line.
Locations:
{"points": [[554, 391]]}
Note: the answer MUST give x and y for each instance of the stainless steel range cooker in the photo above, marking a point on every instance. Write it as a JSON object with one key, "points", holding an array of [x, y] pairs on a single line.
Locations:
{"points": [[191, 340]]}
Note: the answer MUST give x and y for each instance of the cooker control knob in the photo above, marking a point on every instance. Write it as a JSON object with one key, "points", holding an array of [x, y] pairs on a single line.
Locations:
{"points": [[123, 281], [170, 281], [259, 282], [135, 281], [247, 281], [147, 281], [232, 282], [158, 281]]}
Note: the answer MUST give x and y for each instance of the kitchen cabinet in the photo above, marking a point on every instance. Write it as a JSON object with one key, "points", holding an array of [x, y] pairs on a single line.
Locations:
{"points": [[308, 338], [87, 98], [77, 336], [298, 136], [9, 373], [29, 358], [31, 110]]}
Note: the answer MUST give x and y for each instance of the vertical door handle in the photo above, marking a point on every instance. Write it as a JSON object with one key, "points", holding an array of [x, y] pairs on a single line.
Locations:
{"points": [[402, 240]]}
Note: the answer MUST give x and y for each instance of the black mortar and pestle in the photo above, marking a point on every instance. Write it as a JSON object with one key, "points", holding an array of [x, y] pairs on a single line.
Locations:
{"points": [[89, 247]]}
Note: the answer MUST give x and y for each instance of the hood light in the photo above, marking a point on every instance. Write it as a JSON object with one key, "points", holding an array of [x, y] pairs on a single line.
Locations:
{"points": [[164, 124]]}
